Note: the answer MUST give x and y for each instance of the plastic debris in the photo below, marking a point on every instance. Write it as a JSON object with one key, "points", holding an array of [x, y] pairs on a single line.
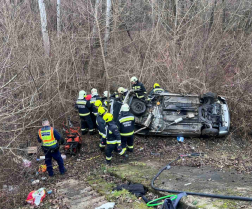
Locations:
{"points": [[26, 163], [63, 156], [42, 168], [36, 197], [108, 205], [141, 148], [49, 192], [43, 178], [180, 138], [35, 181], [10, 188]]}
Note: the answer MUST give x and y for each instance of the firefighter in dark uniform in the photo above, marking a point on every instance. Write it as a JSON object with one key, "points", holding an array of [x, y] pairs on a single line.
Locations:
{"points": [[49, 138], [126, 125], [113, 137], [138, 87], [101, 123], [122, 92], [84, 107], [156, 90], [94, 98]]}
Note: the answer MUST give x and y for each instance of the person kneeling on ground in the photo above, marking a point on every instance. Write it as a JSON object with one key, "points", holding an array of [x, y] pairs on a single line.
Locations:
{"points": [[49, 136], [113, 138]]}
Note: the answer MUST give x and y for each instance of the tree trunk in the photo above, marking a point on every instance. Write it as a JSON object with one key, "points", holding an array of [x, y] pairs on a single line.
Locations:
{"points": [[107, 29], [44, 27], [97, 12], [58, 17], [212, 17]]}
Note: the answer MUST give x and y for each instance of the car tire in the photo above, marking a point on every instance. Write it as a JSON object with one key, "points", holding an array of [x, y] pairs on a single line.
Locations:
{"points": [[209, 98], [210, 132], [137, 107]]}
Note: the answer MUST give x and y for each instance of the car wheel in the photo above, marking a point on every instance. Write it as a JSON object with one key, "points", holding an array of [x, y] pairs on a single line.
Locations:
{"points": [[210, 132], [137, 107], [209, 98]]}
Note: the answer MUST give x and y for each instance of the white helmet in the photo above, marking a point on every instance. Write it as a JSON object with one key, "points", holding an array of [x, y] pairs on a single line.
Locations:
{"points": [[125, 108], [82, 94], [133, 79], [121, 90], [94, 91], [105, 94]]}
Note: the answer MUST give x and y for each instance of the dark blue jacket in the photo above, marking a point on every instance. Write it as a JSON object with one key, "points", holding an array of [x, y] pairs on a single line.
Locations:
{"points": [[112, 133], [92, 101], [126, 123], [56, 134], [156, 90], [101, 125], [83, 106], [140, 88]]}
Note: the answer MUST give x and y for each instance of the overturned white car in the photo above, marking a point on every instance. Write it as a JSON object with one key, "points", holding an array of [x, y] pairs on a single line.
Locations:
{"points": [[171, 114]]}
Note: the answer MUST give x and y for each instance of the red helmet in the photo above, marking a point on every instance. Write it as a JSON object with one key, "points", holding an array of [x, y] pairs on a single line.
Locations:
{"points": [[88, 97]]}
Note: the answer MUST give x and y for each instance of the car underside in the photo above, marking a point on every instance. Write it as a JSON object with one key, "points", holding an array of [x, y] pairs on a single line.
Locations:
{"points": [[171, 114]]}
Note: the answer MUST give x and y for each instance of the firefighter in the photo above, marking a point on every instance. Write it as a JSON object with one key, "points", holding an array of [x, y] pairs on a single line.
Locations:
{"points": [[113, 137], [122, 92], [94, 98], [126, 124], [101, 126], [84, 107], [105, 98], [138, 87], [156, 90], [49, 137]]}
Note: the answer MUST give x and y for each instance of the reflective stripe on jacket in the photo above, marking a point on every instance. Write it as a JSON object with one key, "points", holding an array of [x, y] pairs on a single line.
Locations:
{"points": [[112, 133], [83, 107], [126, 122], [101, 125], [92, 101], [157, 90], [139, 87], [47, 137]]}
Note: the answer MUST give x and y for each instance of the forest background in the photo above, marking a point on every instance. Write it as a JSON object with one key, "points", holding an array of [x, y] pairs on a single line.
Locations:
{"points": [[187, 46]]}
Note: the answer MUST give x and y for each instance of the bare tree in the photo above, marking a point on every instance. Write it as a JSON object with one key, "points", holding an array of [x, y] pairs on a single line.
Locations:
{"points": [[44, 26], [107, 28]]}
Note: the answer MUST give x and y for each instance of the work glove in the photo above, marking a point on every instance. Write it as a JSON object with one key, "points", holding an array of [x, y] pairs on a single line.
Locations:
{"points": [[119, 148]]}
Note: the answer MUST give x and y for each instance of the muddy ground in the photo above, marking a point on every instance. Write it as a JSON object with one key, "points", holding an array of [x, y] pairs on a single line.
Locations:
{"points": [[227, 164]]}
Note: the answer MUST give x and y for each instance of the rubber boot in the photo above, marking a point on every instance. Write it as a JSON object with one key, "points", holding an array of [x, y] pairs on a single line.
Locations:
{"points": [[84, 132]]}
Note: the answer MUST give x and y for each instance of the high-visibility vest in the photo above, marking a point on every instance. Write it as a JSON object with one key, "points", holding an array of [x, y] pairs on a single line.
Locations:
{"points": [[47, 137]]}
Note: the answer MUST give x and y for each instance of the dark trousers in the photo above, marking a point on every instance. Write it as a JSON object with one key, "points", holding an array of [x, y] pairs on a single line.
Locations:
{"points": [[109, 150], [86, 123], [93, 117], [127, 142], [48, 161]]}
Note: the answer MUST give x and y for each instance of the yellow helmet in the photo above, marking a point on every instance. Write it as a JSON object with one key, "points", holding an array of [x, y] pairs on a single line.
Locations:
{"points": [[108, 117], [156, 85], [101, 110], [98, 103]]}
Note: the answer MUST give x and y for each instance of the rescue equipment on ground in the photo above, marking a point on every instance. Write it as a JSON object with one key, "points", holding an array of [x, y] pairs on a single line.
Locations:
{"points": [[73, 139], [167, 167]]}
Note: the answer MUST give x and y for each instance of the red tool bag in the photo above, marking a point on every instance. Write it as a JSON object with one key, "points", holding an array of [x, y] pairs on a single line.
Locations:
{"points": [[73, 139]]}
